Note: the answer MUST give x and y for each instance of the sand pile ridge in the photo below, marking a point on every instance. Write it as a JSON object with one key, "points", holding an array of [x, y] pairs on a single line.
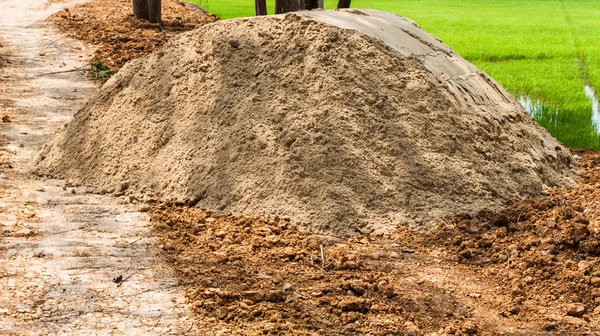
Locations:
{"points": [[304, 116]]}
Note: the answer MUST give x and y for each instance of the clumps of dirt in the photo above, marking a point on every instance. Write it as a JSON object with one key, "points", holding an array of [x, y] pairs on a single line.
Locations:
{"points": [[293, 117], [533, 268], [118, 34], [255, 275], [545, 252]]}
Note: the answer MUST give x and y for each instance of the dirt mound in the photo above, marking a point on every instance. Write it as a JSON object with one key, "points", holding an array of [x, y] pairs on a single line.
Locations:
{"points": [[547, 249], [335, 128], [119, 35], [533, 268], [255, 275]]}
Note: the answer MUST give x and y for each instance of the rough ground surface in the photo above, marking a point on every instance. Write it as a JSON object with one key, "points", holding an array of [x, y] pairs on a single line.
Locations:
{"points": [[61, 248], [327, 126], [533, 269], [119, 35]]}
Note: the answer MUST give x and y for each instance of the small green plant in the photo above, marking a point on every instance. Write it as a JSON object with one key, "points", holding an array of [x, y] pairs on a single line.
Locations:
{"points": [[99, 70]]}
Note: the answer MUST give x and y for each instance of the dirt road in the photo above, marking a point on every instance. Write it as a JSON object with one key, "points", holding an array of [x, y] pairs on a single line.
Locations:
{"points": [[63, 251]]}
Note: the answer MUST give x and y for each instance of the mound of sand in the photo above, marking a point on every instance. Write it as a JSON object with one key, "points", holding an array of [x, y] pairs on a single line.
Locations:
{"points": [[340, 120]]}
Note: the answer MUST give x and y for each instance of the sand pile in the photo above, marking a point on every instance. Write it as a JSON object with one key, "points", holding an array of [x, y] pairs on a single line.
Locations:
{"points": [[301, 117]]}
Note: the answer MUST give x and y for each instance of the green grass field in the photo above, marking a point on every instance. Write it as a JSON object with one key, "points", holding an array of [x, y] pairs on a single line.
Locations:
{"points": [[546, 49]]}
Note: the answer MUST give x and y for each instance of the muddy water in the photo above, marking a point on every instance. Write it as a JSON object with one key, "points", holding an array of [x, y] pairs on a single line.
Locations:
{"points": [[589, 92], [578, 129], [536, 109]]}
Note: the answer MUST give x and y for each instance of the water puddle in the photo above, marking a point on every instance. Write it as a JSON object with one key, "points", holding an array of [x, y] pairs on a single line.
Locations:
{"points": [[538, 110], [589, 92]]}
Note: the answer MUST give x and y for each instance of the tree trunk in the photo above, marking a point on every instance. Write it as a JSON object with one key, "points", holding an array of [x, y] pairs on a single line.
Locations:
{"points": [[154, 11], [344, 4], [261, 7], [321, 4], [140, 9], [309, 4], [284, 6]]}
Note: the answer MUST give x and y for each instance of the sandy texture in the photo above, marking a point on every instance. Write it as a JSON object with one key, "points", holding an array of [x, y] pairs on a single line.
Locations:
{"points": [[532, 269], [333, 128], [119, 35], [60, 247]]}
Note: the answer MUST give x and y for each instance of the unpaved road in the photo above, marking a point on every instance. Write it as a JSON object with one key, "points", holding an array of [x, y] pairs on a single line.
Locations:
{"points": [[61, 247]]}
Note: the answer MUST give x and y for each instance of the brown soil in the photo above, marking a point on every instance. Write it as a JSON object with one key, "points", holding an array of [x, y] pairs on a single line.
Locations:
{"points": [[119, 35], [250, 274], [532, 269], [547, 249], [327, 126]]}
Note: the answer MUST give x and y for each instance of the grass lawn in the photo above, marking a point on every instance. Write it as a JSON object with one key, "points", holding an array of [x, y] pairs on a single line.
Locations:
{"points": [[546, 49]]}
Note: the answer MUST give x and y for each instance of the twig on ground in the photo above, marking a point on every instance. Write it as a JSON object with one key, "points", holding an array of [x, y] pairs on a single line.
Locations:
{"points": [[81, 68], [155, 324], [125, 279], [64, 231], [135, 241], [48, 46], [322, 257]]}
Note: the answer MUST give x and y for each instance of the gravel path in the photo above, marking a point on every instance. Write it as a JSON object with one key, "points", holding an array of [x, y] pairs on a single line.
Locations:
{"points": [[61, 248]]}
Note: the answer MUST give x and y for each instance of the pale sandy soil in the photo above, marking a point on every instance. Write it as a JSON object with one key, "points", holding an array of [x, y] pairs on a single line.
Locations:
{"points": [[60, 247]]}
